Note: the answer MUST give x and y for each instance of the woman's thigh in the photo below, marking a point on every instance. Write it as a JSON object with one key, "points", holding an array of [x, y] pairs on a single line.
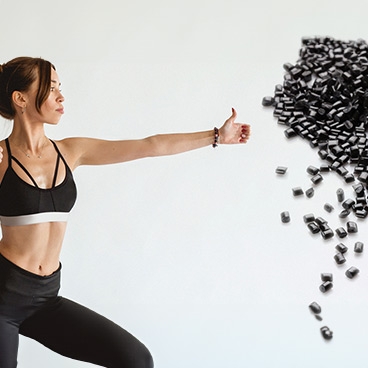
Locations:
{"points": [[79, 333]]}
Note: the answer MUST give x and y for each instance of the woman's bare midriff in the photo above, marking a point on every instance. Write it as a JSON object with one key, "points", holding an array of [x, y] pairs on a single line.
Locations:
{"points": [[35, 248]]}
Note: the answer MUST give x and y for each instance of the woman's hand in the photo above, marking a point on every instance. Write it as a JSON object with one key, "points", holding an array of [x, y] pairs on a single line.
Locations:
{"points": [[232, 132]]}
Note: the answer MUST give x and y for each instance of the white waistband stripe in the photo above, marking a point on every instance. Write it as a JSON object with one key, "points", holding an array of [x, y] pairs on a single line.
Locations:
{"points": [[36, 218]]}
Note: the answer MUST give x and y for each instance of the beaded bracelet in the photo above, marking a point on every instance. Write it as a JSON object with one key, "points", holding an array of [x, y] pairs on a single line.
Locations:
{"points": [[216, 137]]}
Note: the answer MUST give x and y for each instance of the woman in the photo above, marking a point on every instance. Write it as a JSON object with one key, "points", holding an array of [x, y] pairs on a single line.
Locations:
{"points": [[37, 192]]}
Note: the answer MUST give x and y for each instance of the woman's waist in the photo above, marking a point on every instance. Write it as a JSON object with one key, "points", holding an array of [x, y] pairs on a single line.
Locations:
{"points": [[17, 285], [37, 256]]}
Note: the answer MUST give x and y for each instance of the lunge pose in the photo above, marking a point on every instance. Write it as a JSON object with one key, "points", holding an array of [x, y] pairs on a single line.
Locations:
{"points": [[37, 192]]}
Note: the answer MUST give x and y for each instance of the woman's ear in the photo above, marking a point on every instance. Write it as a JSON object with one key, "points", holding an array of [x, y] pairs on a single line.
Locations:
{"points": [[19, 99]]}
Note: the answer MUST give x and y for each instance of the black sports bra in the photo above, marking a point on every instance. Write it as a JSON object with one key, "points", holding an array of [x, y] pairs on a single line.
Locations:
{"points": [[22, 203]]}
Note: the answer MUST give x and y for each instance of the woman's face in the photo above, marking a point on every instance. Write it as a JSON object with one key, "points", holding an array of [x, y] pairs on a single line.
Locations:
{"points": [[52, 109]]}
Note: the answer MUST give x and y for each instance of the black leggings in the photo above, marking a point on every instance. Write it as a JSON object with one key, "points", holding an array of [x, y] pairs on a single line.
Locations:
{"points": [[30, 306]]}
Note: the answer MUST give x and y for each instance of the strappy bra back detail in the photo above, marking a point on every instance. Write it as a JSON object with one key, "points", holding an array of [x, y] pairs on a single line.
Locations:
{"points": [[22, 203]]}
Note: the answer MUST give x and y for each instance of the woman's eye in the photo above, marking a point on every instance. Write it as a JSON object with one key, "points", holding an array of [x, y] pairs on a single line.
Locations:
{"points": [[52, 89]]}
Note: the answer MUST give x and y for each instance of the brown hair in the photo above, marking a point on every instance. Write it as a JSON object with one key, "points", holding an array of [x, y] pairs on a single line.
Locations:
{"points": [[18, 75]]}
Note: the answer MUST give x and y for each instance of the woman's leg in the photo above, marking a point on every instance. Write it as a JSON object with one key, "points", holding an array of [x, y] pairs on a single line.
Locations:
{"points": [[9, 341], [79, 333]]}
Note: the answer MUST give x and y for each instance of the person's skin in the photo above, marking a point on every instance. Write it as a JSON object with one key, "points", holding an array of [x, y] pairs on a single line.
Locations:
{"points": [[37, 247]]}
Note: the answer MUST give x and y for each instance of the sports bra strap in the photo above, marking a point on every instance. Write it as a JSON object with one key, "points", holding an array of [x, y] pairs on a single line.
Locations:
{"points": [[56, 171], [59, 153], [9, 152], [25, 170]]}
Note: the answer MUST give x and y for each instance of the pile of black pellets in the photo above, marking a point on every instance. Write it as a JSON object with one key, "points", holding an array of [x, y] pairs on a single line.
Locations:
{"points": [[324, 101]]}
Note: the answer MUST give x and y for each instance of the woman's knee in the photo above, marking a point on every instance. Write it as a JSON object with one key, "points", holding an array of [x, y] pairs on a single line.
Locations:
{"points": [[131, 354], [145, 359], [142, 358]]}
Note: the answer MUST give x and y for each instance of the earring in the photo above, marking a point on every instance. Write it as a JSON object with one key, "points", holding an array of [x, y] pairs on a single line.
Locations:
{"points": [[24, 109]]}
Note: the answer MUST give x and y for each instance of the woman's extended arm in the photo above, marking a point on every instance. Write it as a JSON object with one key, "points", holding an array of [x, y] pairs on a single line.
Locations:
{"points": [[89, 151]]}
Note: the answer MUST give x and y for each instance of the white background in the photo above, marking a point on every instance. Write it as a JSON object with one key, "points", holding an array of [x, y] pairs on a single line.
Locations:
{"points": [[188, 252]]}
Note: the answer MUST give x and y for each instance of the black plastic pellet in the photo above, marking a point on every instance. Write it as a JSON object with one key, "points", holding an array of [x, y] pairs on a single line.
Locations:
{"points": [[290, 133], [348, 204], [349, 178], [324, 168], [335, 166], [328, 207], [358, 247], [315, 308], [268, 101], [363, 177], [317, 179], [340, 195], [312, 170], [339, 258], [313, 228], [318, 317], [297, 191], [359, 189], [281, 170], [344, 213], [341, 232], [326, 286], [324, 227], [342, 248], [352, 227], [309, 192], [320, 220], [351, 272], [308, 217], [327, 234], [361, 214], [327, 334], [285, 217], [326, 277]]}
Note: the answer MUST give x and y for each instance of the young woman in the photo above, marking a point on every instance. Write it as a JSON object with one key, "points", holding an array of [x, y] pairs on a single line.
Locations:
{"points": [[37, 192]]}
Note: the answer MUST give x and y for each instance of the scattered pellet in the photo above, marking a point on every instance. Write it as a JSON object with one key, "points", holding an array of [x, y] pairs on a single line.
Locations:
{"points": [[327, 334], [340, 195], [358, 247], [351, 272], [309, 192], [313, 227], [312, 170], [341, 232], [342, 248], [309, 217], [327, 234], [324, 168], [352, 227], [316, 179], [315, 308], [320, 221], [285, 217], [297, 191], [344, 213], [349, 203], [281, 170], [326, 276], [339, 258], [268, 101], [326, 286]]}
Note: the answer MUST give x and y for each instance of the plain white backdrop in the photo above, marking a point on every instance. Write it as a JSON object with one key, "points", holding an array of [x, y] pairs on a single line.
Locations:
{"points": [[188, 252]]}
